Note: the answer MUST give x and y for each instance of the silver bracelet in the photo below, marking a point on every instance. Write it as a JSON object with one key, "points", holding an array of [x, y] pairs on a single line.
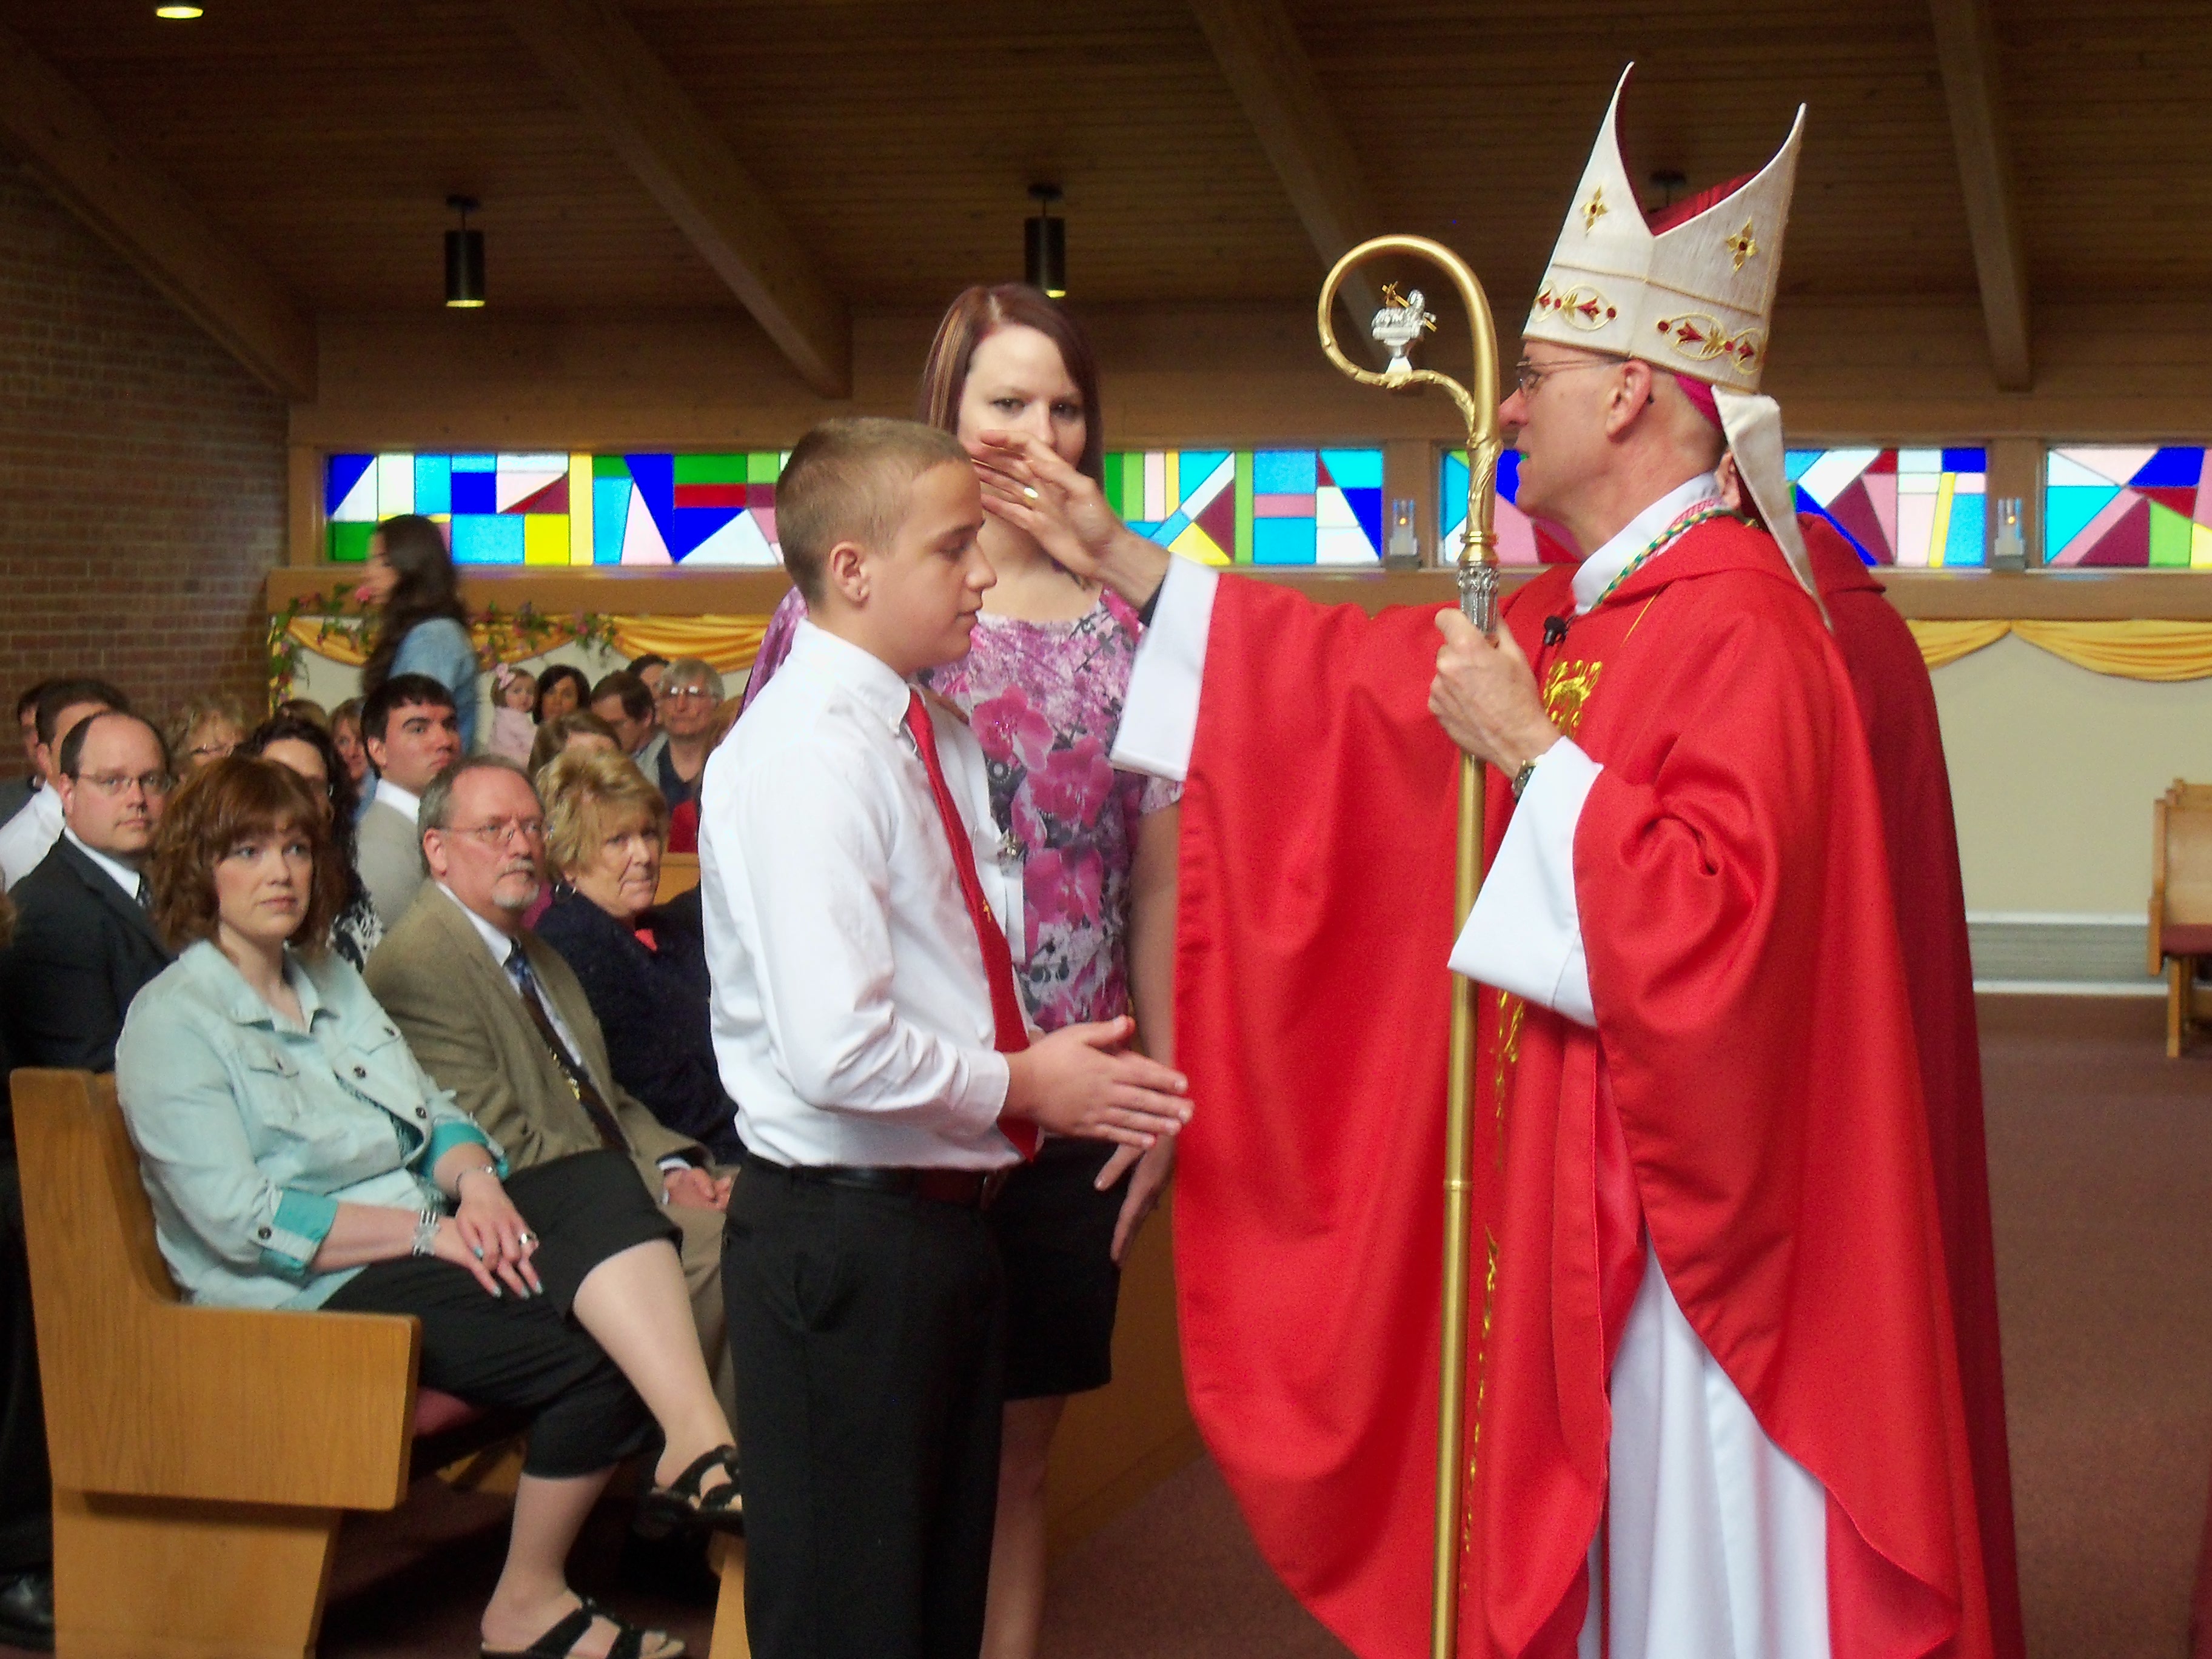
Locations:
{"points": [[426, 1232]]}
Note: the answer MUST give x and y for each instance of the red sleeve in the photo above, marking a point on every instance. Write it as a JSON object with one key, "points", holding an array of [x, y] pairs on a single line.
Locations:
{"points": [[1311, 997]]}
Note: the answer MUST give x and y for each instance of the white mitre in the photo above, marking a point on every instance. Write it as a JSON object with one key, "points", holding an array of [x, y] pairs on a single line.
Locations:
{"points": [[1696, 299]]}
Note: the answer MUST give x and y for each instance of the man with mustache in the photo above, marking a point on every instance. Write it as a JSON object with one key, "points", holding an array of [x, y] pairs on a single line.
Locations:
{"points": [[497, 1016]]}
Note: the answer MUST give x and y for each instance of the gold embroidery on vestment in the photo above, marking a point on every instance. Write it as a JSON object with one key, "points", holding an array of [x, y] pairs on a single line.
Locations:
{"points": [[1567, 688]]}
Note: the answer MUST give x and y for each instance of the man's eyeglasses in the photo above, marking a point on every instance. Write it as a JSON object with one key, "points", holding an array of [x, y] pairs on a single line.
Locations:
{"points": [[501, 831], [1528, 376], [685, 694], [115, 783]]}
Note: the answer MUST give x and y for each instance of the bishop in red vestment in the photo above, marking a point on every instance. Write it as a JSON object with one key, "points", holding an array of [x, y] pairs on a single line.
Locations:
{"points": [[1714, 1394]]}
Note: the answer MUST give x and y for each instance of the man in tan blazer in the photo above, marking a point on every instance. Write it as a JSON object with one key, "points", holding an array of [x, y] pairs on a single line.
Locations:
{"points": [[495, 1015]]}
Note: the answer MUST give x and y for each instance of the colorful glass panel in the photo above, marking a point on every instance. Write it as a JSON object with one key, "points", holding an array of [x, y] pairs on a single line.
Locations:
{"points": [[564, 509], [1514, 529], [1924, 508], [2138, 506], [1291, 507]]}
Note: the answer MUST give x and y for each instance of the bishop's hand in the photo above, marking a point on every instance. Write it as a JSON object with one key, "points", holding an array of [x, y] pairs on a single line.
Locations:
{"points": [[1027, 485], [1485, 696]]}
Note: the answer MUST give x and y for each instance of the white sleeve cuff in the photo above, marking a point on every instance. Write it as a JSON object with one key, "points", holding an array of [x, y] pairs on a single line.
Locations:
{"points": [[1159, 715], [1525, 933]]}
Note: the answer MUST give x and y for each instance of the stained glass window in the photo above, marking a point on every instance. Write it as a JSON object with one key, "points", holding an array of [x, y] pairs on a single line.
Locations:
{"points": [[1924, 507], [1318, 507], [1516, 531], [649, 510], [2141, 506]]}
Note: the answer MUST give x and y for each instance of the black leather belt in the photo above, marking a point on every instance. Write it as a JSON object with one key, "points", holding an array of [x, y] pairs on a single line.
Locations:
{"points": [[972, 1189]]}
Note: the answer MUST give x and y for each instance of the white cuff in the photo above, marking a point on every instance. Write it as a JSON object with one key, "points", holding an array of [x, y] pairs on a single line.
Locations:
{"points": [[1525, 933], [1159, 715]]}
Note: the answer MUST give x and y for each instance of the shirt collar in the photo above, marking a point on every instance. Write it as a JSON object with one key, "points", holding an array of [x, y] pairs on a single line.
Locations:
{"points": [[871, 680], [46, 806], [501, 946], [241, 1000], [392, 795], [118, 871], [1598, 570]]}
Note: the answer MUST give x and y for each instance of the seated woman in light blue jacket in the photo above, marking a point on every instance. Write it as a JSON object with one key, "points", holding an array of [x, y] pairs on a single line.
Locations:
{"points": [[297, 1157]]}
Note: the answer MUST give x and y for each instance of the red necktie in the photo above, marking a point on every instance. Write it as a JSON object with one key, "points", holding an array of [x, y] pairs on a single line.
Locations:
{"points": [[1010, 1035]]}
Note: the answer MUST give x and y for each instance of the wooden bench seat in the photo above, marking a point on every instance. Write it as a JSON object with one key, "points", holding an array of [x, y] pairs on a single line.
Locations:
{"points": [[203, 1458]]}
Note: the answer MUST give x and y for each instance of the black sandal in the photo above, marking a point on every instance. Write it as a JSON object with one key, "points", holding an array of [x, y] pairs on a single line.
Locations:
{"points": [[560, 1641], [680, 1503]]}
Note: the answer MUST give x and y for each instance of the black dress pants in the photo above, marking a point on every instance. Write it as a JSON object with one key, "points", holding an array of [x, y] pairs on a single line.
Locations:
{"points": [[868, 1331], [526, 1354], [27, 1525]]}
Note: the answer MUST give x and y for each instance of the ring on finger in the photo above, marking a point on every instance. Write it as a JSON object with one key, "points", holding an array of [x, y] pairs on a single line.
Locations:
{"points": [[526, 1237]]}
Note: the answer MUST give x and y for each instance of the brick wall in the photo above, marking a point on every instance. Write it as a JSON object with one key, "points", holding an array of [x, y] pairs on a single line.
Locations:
{"points": [[142, 477]]}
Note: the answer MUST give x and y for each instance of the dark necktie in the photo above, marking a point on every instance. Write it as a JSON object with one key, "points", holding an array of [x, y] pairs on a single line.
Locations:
{"points": [[580, 1080], [1010, 1035]]}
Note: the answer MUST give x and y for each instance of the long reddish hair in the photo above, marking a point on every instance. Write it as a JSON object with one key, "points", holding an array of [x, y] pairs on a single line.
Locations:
{"points": [[980, 312]]}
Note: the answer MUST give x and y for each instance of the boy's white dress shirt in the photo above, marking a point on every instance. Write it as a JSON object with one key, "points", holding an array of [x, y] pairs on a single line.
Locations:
{"points": [[852, 1020]]}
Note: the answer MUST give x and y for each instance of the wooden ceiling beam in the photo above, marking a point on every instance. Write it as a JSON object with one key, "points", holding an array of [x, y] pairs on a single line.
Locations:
{"points": [[1274, 80], [71, 148], [1966, 47], [592, 50]]}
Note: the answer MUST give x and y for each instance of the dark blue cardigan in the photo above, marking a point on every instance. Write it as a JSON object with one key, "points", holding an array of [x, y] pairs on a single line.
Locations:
{"points": [[652, 1009]]}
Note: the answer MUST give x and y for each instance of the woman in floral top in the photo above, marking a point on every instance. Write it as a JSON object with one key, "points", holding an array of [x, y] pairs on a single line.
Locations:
{"points": [[1043, 686]]}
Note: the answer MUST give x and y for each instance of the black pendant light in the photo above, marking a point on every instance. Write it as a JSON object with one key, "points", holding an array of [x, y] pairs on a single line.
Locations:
{"points": [[464, 257], [1045, 245]]}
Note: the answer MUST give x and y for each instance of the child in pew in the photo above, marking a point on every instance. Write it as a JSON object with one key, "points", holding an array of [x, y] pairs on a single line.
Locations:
{"points": [[866, 1020]]}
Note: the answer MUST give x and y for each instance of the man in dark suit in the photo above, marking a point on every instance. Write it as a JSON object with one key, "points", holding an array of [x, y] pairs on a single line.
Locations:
{"points": [[84, 938], [83, 945]]}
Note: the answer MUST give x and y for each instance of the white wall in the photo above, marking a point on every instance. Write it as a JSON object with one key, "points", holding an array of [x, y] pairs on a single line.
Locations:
{"points": [[2053, 772]]}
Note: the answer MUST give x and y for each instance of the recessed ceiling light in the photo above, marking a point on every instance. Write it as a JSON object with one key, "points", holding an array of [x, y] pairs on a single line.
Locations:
{"points": [[178, 14]]}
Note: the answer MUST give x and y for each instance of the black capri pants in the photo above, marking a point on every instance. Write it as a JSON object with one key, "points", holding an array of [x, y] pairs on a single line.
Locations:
{"points": [[526, 1354]]}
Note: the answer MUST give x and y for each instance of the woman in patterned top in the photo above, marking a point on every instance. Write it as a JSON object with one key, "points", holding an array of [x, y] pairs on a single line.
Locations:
{"points": [[1043, 686]]}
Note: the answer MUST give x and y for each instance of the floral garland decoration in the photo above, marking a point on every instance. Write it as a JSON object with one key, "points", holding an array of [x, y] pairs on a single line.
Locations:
{"points": [[499, 636]]}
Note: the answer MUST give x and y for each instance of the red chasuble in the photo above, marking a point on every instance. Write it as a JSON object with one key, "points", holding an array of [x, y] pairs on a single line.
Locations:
{"points": [[1897, 705], [1751, 1097]]}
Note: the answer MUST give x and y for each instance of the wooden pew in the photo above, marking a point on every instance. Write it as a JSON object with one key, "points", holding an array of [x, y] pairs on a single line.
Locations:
{"points": [[202, 1456], [2180, 899], [679, 874]]}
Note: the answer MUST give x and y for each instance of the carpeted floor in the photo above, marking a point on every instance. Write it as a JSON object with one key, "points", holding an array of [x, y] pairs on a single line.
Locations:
{"points": [[2100, 1154]]}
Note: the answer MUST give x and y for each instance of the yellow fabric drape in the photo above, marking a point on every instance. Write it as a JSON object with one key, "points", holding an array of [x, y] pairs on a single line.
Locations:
{"points": [[728, 643], [1947, 641], [2140, 649]]}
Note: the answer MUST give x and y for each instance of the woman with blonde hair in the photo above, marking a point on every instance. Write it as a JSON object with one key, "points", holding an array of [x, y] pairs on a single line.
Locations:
{"points": [[204, 731], [643, 966]]}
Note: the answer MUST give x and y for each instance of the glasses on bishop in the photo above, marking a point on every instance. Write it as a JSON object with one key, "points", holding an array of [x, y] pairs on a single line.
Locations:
{"points": [[1530, 375]]}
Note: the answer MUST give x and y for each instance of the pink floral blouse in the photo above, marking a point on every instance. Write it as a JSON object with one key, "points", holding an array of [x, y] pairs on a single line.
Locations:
{"points": [[1044, 698]]}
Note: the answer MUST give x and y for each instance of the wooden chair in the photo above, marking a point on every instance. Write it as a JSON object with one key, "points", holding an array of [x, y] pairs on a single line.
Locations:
{"points": [[2180, 899], [679, 874]]}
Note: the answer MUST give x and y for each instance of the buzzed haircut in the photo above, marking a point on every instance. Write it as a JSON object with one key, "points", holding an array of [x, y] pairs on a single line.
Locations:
{"points": [[57, 694], [74, 740], [636, 696], [401, 691], [848, 482]]}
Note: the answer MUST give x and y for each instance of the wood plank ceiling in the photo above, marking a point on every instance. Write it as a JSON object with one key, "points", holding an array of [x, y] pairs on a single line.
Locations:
{"points": [[895, 138]]}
